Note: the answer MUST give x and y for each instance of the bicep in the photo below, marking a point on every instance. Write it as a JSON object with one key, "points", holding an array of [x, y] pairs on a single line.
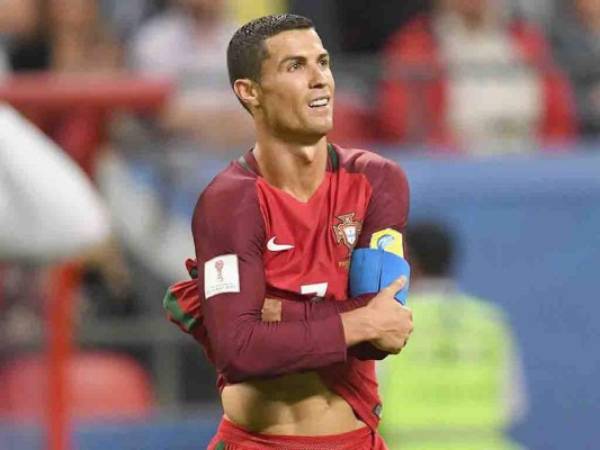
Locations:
{"points": [[388, 206], [231, 277]]}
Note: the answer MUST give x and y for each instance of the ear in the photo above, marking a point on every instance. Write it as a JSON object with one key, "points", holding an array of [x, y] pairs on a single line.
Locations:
{"points": [[247, 92]]}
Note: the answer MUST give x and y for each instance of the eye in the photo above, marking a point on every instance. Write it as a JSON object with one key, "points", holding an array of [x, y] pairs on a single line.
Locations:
{"points": [[324, 62], [294, 66]]}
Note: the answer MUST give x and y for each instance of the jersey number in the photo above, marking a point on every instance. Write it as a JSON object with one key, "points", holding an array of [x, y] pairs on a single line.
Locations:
{"points": [[318, 289]]}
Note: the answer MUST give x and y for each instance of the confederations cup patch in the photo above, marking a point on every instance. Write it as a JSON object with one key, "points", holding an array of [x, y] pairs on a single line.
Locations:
{"points": [[221, 275]]}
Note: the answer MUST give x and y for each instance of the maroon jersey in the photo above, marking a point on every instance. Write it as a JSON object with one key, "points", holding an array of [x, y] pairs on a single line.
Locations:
{"points": [[254, 241]]}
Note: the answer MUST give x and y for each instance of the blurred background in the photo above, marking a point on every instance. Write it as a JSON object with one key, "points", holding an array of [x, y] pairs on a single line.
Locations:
{"points": [[491, 106]]}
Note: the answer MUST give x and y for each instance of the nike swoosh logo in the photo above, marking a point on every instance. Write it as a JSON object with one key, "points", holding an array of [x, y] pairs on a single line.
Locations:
{"points": [[271, 245]]}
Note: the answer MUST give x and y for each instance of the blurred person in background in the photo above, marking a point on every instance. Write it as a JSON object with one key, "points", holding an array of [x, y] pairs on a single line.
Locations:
{"points": [[459, 384], [81, 39], [187, 41], [49, 211], [469, 77], [576, 38], [152, 181], [68, 37], [65, 36], [71, 38]]}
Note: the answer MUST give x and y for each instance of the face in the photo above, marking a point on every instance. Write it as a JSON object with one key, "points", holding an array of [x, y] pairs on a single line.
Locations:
{"points": [[475, 9], [588, 8], [73, 14], [295, 92], [210, 8]]}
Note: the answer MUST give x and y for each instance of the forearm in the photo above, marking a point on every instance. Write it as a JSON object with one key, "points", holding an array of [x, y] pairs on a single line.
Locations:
{"points": [[250, 348], [357, 331]]}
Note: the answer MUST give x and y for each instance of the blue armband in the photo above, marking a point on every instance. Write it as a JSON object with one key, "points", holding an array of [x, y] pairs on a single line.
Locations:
{"points": [[373, 269]]}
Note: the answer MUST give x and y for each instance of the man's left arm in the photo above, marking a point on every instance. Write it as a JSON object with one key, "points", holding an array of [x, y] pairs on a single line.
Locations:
{"points": [[387, 215]]}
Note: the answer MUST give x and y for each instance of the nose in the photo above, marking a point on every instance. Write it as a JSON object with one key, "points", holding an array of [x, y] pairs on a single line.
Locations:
{"points": [[318, 79]]}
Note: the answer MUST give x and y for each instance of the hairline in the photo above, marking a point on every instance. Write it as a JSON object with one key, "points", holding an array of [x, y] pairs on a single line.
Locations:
{"points": [[264, 51]]}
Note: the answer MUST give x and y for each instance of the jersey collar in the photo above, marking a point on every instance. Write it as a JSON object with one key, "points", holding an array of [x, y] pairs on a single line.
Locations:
{"points": [[248, 161]]}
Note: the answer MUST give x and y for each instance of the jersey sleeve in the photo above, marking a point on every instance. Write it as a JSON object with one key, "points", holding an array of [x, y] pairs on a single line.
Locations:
{"points": [[229, 238], [388, 208], [389, 202]]}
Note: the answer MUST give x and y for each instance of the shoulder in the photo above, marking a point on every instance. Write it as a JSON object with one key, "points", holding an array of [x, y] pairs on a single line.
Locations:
{"points": [[234, 185], [229, 203], [375, 167], [530, 40]]}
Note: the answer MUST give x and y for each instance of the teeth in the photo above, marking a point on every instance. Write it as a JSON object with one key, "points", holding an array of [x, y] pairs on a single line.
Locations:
{"points": [[319, 102]]}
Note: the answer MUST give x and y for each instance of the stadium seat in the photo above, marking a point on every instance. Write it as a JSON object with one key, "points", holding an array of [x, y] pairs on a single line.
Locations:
{"points": [[102, 385]]}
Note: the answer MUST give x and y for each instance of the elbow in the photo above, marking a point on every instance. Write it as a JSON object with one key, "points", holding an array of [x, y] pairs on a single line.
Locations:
{"points": [[234, 372], [236, 367], [239, 360]]}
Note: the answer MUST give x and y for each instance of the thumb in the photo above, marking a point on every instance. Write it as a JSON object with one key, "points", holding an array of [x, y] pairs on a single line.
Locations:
{"points": [[397, 285]]}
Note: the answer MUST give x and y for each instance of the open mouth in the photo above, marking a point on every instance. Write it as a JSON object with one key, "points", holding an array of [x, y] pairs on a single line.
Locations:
{"points": [[320, 102]]}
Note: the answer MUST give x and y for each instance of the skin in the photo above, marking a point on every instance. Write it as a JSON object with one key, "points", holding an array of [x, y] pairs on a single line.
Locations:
{"points": [[588, 12], [474, 13], [291, 151]]}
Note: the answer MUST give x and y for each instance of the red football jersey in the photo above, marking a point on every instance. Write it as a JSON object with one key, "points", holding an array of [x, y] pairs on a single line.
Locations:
{"points": [[254, 241]]}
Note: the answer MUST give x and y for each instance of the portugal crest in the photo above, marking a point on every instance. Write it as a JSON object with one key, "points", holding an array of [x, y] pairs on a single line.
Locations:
{"points": [[347, 230]]}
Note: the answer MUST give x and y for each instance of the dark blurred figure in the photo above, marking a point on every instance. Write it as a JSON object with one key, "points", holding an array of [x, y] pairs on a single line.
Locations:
{"points": [[365, 26], [459, 383], [472, 78], [64, 36], [576, 34], [22, 45]]}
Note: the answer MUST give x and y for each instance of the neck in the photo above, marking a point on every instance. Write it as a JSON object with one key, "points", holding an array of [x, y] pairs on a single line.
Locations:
{"points": [[297, 169]]}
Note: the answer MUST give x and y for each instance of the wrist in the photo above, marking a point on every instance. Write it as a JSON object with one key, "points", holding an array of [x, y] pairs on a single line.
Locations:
{"points": [[358, 326]]}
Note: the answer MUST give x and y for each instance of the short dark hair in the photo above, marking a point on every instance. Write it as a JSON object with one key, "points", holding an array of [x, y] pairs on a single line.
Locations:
{"points": [[247, 51], [431, 247]]}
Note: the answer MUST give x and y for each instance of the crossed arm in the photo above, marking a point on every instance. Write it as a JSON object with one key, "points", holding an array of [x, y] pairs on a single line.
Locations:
{"points": [[311, 335]]}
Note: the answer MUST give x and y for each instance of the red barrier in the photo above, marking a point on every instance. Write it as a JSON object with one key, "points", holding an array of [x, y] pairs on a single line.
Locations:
{"points": [[59, 320]]}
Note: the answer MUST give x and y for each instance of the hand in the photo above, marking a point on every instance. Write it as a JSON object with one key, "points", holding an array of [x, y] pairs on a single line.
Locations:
{"points": [[271, 310], [392, 321]]}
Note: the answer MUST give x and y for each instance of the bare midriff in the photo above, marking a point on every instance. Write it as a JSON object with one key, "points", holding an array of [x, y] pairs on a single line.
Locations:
{"points": [[293, 405]]}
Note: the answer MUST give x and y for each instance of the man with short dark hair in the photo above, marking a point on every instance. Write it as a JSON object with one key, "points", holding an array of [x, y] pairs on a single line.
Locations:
{"points": [[274, 235]]}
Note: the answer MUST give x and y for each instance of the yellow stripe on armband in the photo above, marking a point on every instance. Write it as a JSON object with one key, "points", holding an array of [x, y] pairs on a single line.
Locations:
{"points": [[389, 240]]}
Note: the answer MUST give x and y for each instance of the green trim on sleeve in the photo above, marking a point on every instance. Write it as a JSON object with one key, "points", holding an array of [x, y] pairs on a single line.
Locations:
{"points": [[171, 305]]}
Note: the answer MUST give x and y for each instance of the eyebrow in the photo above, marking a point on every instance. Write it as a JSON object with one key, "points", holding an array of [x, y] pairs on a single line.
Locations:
{"points": [[300, 58]]}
